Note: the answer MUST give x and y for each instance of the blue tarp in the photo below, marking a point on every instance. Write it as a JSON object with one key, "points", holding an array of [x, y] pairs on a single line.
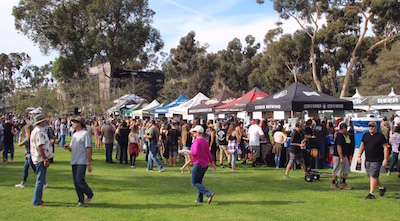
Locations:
{"points": [[178, 101]]}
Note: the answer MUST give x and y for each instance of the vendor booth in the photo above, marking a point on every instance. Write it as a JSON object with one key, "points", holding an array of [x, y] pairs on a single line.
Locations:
{"points": [[208, 107], [182, 109], [164, 110], [139, 113]]}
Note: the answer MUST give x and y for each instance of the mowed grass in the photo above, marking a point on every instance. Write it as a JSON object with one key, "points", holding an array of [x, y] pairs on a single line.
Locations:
{"points": [[122, 193]]}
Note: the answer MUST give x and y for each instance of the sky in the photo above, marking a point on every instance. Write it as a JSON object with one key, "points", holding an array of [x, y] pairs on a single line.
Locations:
{"points": [[215, 22]]}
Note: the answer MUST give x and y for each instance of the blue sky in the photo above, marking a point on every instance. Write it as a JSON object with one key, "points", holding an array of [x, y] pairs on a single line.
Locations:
{"points": [[216, 22]]}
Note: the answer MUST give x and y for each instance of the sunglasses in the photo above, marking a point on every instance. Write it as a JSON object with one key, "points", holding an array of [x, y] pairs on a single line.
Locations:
{"points": [[371, 126]]}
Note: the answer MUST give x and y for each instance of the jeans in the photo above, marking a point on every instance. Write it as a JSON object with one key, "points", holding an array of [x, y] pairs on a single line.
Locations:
{"points": [[62, 140], [153, 157], [109, 150], [7, 149], [28, 163], [321, 154], [234, 157], [395, 157], [197, 181], [277, 160], [40, 180], [81, 187]]}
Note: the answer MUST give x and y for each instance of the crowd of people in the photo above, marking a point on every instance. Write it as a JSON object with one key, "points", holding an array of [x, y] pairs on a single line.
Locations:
{"points": [[224, 140]]}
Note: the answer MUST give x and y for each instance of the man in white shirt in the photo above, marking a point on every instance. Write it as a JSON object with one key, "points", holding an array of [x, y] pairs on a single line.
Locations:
{"points": [[81, 155], [41, 151], [254, 134]]}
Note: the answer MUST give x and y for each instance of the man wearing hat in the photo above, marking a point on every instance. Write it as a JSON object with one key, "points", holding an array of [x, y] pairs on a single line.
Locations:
{"points": [[376, 155], [41, 151], [81, 155]]}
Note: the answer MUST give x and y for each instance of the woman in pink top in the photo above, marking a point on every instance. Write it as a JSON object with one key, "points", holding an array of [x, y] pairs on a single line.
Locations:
{"points": [[201, 155]]}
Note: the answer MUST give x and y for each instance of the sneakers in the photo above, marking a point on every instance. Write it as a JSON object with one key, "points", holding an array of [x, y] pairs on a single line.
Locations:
{"points": [[382, 191], [388, 173], [46, 184], [79, 204], [370, 196], [222, 166], [244, 162], [161, 170], [20, 185], [345, 186], [286, 176], [230, 166], [253, 165], [334, 186]]}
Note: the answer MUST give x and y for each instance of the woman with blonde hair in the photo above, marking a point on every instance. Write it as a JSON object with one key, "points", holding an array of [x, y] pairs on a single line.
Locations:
{"points": [[186, 144], [97, 134]]}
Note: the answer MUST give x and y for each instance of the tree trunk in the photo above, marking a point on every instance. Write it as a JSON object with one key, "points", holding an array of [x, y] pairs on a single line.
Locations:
{"points": [[354, 58], [332, 80], [314, 64]]}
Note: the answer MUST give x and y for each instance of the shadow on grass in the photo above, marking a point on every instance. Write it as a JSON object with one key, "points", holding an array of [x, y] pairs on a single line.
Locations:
{"points": [[121, 206], [257, 202]]}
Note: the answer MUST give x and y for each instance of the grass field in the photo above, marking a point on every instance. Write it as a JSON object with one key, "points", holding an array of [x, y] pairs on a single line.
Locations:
{"points": [[122, 193]]}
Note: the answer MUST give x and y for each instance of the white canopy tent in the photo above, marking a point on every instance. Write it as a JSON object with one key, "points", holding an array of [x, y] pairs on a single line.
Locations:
{"points": [[183, 109], [139, 113]]}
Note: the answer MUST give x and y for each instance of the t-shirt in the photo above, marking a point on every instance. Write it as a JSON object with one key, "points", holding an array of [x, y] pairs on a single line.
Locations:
{"points": [[80, 140], [340, 140], [296, 137], [320, 133], [254, 133], [221, 135], [134, 139], [8, 136], [395, 141], [39, 137], [1, 130], [278, 137], [63, 129], [373, 146], [173, 137], [154, 133]]}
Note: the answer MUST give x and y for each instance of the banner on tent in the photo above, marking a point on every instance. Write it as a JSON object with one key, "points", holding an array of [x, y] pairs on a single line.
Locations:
{"points": [[257, 115], [279, 115], [241, 115], [210, 116], [222, 116]]}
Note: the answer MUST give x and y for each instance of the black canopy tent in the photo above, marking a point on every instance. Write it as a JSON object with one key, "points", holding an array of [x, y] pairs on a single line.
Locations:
{"points": [[299, 97]]}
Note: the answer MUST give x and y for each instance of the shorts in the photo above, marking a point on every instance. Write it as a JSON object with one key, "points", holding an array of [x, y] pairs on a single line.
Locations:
{"points": [[185, 148], [173, 151], [373, 168], [224, 150], [255, 151], [338, 168], [296, 157]]}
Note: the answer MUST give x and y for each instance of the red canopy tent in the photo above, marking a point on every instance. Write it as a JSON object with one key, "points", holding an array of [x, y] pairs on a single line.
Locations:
{"points": [[240, 104]]}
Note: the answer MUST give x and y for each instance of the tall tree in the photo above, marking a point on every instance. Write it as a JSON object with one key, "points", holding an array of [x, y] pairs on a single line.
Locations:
{"points": [[378, 77], [88, 32], [305, 12]]}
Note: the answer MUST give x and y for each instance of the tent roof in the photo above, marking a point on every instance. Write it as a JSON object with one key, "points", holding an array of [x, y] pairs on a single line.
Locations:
{"points": [[299, 97], [183, 108], [240, 104], [180, 100], [208, 107], [153, 104]]}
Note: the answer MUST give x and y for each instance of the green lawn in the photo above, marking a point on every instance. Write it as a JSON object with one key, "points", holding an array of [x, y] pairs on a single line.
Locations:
{"points": [[122, 193]]}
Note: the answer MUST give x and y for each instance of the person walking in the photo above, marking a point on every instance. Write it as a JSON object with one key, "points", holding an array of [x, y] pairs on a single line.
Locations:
{"points": [[297, 141], [395, 141], [201, 156], [174, 140], [223, 144], [8, 142], [41, 151], [134, 145], [376, 155], [81, 155], [153, 136], [186, 144], [341, 164]]}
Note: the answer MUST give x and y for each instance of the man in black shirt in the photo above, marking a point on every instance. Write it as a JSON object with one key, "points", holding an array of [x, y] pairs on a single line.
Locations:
{"points": [[174, 139], [341, 165], [374, 143], [297, 141], [223, 144]]}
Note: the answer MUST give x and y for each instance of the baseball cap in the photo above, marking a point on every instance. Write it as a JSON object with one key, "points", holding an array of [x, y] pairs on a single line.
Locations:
{"points": [[372, 123], [197, 128]]}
